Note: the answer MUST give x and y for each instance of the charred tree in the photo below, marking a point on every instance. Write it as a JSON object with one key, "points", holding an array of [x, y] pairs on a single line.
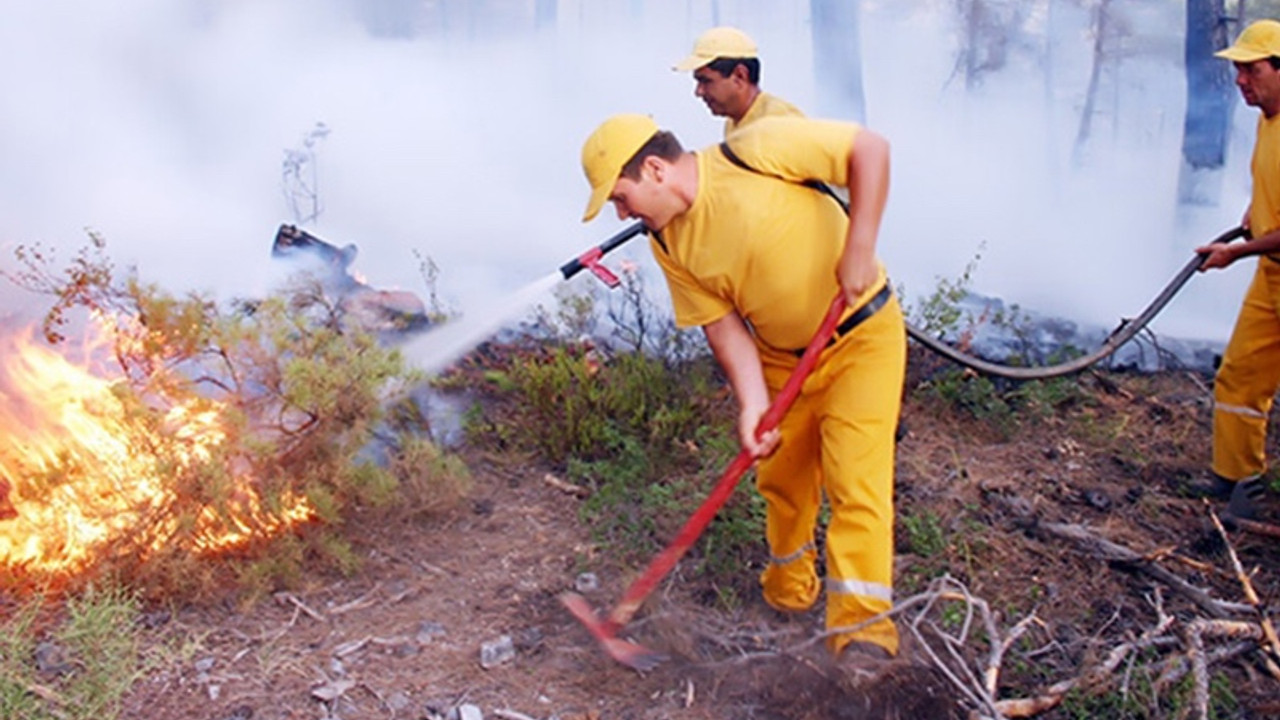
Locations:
{"points": [[837, 58], [1101, 29], [1207, 125]]}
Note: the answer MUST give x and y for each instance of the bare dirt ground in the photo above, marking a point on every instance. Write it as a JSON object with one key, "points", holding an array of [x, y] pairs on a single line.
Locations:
{"points": [[402, 637]]}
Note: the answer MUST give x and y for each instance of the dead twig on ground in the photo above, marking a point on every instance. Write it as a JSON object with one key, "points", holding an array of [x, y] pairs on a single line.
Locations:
{"points": [[288, 597], [359, 603], [1251, 595], [565, 487]]}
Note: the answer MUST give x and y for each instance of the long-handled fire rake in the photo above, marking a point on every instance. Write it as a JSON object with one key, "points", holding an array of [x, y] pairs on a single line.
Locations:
{"points": [[606, 630]]}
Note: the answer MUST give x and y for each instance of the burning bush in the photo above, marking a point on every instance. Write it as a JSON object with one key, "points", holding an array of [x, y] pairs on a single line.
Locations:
{"points": [[176, 432]]}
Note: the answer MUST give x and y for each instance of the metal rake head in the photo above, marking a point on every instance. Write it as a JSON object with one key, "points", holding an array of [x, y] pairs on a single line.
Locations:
{"points": [[631, 654]]}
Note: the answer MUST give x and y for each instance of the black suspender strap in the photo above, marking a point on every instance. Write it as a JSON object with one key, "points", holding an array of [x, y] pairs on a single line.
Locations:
{"points": [[876, 302], [818, 185]]}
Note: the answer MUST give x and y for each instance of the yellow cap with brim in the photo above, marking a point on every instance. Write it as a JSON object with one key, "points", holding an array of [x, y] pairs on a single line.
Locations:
{"points": [[607, 150], [716, 43], [1259, 41]]}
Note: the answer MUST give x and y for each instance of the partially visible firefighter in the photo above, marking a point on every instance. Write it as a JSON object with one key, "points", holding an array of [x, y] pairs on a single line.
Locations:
{"points": [[1247, 380], [381, 312]]}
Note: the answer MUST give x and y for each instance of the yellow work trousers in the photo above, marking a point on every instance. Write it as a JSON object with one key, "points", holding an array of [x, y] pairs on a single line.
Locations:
{"points": [[1247, 379], [838, 439]]}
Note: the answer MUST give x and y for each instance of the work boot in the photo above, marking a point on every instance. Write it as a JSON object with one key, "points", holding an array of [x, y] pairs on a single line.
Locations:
{"points": [[1244, 499], [1216, 488], [860, 662]]}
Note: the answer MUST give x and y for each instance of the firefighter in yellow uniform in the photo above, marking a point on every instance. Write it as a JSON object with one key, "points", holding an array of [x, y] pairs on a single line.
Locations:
{"points": [[755, 258], [1249, 375], [726, 75]]}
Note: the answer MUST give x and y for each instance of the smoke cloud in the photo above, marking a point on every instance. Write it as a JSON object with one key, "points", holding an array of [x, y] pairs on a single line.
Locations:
{"points": [[162, 125]]}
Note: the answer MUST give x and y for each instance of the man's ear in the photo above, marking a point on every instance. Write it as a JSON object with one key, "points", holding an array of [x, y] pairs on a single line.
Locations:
{"points": [[655, 167], [740, 73]]}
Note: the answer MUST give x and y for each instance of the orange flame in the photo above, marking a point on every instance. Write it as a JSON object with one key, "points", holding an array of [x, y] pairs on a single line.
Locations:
{"points": [[75, 473]]}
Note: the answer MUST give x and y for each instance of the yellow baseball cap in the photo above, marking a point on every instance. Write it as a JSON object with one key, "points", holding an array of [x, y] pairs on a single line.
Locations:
{"points": [[609, 148], [718, 42], [1259, 41]]}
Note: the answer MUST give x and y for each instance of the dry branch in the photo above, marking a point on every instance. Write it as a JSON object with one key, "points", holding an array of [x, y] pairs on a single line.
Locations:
{"points": [[1268, 629], [1112, 552], [1257, 528]]}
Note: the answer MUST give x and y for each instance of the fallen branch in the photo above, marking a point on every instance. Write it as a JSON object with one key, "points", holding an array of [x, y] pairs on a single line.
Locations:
{"points": [[1027, 707], [1251, 595], [1257, 528], [1110, 551]]}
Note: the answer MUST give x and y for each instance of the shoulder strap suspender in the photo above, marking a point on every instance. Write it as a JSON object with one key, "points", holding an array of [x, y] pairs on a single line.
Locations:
{"points": [[818, 185]]}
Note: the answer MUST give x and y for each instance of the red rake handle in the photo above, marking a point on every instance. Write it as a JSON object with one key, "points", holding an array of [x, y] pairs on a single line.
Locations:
{"points": [[693, 527]]}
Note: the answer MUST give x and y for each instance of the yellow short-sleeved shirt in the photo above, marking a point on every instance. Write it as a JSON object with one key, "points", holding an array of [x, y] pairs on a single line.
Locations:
{"points": [[1264, 210], [757, 244], [765, 105]]}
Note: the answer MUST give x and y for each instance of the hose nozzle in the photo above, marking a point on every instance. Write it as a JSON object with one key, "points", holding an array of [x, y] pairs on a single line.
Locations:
{"points": [[590, 260]]}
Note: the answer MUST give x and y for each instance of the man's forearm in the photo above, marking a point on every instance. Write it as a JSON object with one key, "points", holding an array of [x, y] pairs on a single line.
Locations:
{"points": [[735, 350]]}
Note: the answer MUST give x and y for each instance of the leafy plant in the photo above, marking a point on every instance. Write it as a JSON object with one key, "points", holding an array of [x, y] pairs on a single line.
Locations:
{"points": [[243, 415]]}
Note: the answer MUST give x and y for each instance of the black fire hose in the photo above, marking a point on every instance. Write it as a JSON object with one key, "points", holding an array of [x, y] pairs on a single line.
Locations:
{"points": [[1119, 337], [590, 260]]}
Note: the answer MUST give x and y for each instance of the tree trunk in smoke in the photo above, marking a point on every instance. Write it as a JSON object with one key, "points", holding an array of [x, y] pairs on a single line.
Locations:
{"points": [[544, 13], [837, 58], [1100, 22], [1207, 126]]}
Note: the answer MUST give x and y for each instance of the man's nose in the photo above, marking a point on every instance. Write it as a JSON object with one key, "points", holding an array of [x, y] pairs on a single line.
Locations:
{"points": [[623, 213]]}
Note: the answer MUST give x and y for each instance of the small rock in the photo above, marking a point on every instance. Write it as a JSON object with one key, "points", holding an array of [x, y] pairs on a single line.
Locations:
{"points": [[528, 639], [469, 712], [215, 691], [242, 712], [1098, 500], [428, 630], [205, 664], [336, 668], [408, 648], [436, 708], [51, 658], [331, 691], [586, 582], [398, 701], [497, 652], [154, 619]]}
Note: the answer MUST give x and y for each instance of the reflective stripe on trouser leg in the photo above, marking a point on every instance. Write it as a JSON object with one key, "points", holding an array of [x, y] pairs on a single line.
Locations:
{"points": [[841, 428], [860, 415], [1247, 380], [789, 482]]}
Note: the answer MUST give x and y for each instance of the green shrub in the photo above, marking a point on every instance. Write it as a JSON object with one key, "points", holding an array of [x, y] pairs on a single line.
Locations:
{"points": [[238, 421]]}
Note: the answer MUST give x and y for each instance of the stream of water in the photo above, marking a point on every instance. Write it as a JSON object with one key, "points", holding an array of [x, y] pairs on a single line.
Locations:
{"points": [[437, 349]]}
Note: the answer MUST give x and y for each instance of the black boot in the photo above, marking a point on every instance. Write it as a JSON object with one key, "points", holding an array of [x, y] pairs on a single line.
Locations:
{"points": [[1245, 497], [1215, 488]]}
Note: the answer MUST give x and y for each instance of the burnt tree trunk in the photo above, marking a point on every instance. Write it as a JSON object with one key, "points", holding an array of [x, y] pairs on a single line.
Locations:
{"points": [[1210, 95], [1101, 20], [837, 58]]}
